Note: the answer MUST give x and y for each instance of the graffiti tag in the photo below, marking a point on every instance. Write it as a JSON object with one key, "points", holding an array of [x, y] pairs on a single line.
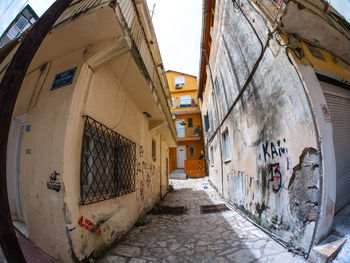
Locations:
{"points": [[54, 182], [277, 154], [275, 176], [88, 225], [271, 151]]}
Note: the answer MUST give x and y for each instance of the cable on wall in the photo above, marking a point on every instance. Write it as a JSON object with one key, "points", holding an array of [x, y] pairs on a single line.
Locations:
{"points": [[42, 69]]}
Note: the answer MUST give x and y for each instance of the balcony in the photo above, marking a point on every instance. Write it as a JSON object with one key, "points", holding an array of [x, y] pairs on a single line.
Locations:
{"points": [[185, 104], [184, 133]]}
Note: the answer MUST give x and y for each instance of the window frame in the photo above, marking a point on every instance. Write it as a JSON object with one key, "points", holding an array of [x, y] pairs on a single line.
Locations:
{"points": [[190, 122], [108, 163], [154, 150], [212, 158], [226, 143], [217, 88], [185, 101], [179, 81], [191, 147]]}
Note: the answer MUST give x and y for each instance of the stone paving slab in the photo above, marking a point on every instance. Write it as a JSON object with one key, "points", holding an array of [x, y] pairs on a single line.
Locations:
{"points": [[195, 237]]}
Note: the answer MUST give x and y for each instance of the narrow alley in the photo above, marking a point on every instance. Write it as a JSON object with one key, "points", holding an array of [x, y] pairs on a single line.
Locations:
{"points": [[195, 237], [175, 131]]}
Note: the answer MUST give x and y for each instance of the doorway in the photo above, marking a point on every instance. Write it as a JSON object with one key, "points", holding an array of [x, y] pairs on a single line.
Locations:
{"points": [[180, 128], [181, 156], [13, 171]]}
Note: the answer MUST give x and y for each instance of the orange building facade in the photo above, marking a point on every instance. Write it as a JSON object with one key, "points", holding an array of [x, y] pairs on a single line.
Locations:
{"points": [[187, 119]]}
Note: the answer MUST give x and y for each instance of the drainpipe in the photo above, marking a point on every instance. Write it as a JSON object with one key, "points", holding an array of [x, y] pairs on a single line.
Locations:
{"points": [[9, 89]]}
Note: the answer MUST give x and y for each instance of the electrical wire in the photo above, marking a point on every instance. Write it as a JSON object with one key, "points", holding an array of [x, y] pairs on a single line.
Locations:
{"points": [[121, 84], [41, 87]]}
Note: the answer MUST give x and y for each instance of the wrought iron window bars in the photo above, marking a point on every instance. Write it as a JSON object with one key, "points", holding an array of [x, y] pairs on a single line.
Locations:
{"points": [[108, 163]]}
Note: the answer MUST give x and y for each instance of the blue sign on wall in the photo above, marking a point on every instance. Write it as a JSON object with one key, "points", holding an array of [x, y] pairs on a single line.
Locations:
{"points": [[63, 79]]}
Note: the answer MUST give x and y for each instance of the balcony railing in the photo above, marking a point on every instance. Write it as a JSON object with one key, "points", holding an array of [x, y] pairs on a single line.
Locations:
{"points": [[183, 132], [185, 103]]}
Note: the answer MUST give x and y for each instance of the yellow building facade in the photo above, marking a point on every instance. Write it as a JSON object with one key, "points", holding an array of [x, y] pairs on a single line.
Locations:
{"points": [[186, 115]]}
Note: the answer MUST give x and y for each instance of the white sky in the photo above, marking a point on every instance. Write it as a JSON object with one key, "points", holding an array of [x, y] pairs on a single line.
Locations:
{"points": [[177, 24], [178, 28]]}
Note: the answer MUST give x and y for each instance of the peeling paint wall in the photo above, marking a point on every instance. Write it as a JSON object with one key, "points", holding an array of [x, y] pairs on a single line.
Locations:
{"points": [[273, 172]]}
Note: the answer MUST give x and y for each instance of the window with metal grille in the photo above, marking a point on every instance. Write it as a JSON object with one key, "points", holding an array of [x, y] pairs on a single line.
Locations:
{"points": [[108, 162]]}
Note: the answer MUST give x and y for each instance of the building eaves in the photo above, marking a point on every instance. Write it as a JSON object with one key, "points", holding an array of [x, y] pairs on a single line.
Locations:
{"points": [[78, 7], [207, 19], [180, 73]]}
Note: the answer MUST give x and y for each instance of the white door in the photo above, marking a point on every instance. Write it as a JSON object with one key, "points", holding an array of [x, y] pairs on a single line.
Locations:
{"points": [[180, 128], [18, 173], [338, 101], [13, 166], [181, 156]]}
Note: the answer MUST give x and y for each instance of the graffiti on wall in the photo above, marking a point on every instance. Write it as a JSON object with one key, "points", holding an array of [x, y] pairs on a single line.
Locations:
{"points": [[275, 176], [88, 225], [271, 151], [276, 155], [54, 182], [145, 167], [147, 170]]}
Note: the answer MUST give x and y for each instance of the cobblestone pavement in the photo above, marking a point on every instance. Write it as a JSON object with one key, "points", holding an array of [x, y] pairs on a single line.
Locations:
{"points": [[193, 237]]}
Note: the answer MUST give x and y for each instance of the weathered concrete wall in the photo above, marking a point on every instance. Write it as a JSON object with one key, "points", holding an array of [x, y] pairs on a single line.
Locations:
{"points": [[273, 172]]}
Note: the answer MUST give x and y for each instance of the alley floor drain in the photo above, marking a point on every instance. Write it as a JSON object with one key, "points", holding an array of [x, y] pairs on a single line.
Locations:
{"points": [[209, 209], [169, 210]]}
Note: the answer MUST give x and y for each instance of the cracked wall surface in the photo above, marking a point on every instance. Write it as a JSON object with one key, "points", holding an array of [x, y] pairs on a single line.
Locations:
{"points": [[273, 172], [303, 188]]}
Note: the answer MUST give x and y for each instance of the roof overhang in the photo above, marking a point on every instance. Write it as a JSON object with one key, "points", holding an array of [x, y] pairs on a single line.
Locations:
{"points": [[207, 23]]}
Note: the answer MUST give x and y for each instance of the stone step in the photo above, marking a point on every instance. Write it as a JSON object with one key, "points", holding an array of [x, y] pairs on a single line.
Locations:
{"points": [[181, 171], [327, 249], [178, 176]]}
